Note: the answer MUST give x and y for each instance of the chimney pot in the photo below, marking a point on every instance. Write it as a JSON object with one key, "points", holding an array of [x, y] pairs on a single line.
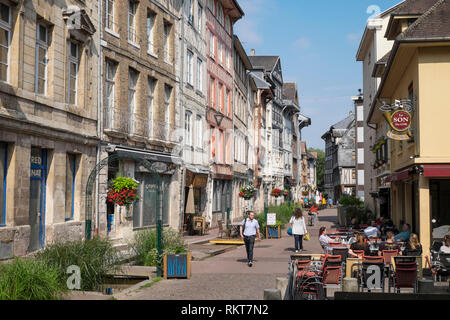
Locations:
{"points": [[252, 52]]}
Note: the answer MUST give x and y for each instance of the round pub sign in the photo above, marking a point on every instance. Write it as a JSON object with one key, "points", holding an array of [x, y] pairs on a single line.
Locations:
{"points": [[401, 120]]}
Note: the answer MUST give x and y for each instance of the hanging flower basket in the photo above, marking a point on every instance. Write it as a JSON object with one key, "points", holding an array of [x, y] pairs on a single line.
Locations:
{"points": [[286, 193], [276, 193], [247, 192], [305, 193], [123, 192]]}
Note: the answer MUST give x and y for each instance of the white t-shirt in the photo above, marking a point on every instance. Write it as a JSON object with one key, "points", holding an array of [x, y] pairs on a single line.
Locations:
{"points": [[444, 249], [370, 231], [298, 225]]}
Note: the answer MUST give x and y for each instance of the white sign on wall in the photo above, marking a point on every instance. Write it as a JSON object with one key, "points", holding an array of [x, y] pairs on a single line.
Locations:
{"points": [[271, 219]]}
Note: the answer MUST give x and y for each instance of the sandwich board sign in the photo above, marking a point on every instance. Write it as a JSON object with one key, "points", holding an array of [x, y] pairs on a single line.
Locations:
{"points": [[271, 219]]}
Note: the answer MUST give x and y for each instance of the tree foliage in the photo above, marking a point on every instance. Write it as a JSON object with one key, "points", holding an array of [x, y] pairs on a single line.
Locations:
{"points": [[320, 167]]}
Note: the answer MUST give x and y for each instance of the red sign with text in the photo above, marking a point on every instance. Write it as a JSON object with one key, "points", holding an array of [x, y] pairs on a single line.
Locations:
{"points": [[401, 120]]}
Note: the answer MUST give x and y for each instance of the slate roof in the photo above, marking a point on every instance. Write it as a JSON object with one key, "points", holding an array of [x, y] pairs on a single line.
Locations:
{"points": [[289, 90], [413, 7], [344, 124], [433, 24], [267, 62]]}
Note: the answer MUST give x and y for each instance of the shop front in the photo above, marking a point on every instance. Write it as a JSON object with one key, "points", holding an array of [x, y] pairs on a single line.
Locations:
{"points": [[195, 197]]}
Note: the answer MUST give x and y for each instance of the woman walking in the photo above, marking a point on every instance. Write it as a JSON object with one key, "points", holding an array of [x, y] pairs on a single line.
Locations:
{"points": [[298, 226]]}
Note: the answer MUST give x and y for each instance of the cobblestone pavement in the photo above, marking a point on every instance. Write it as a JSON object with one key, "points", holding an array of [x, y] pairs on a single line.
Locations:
{"points": [[226, 276]]}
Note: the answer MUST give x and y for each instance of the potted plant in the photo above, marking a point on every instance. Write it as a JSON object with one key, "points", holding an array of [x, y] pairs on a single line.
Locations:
{"points": [[276, 192], [247, 192], [123, 192]]}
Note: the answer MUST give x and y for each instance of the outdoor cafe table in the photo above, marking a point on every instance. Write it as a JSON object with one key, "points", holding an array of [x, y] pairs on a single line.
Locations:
{"points": [[235, 229], [350, 263]]}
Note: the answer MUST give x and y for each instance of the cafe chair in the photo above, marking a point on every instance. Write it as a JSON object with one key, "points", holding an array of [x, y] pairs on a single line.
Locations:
{"points": [[364, 274], [404, 276], [387, 255], [359, 253], [343, 252], [223, 230], [334, 244]]}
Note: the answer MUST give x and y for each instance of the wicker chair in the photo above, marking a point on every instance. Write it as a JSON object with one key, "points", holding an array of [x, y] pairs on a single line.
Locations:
{"points": [[222, 230]]}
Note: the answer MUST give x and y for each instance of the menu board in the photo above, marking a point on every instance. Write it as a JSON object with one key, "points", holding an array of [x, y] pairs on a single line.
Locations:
{"points": [[271, 219]]}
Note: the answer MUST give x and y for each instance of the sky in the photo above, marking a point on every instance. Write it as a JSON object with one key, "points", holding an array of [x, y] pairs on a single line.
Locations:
{"points": [[317, 42]]}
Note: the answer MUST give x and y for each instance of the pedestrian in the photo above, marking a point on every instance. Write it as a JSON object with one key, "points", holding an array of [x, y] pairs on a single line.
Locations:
{"points": [[249, 229], [330, 202], [314, 211], [298, 226]]}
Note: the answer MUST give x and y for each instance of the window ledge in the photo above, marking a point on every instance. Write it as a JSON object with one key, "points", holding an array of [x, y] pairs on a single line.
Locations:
{"points": [[154, 55], [111, 32], [134, 44]]}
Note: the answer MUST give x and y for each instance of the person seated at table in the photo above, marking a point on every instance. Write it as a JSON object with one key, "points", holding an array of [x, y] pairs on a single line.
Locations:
{"points": [[355, 223], [359, 245], [446, 245], [372, 231], [404, 235], [380, 222], [324, 238], [413, 246], [353, 238], [389, 244]]}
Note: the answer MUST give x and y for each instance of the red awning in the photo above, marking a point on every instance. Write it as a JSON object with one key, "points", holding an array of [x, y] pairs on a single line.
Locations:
{"points": [[436, 170], [398, 176]]}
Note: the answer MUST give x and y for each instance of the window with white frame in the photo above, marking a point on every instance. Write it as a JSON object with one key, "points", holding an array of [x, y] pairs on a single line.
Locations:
{"points": [[190, 11], [188, 127], [190, 67], [199, 132], [212, 45], [221, 108], [151, 18], [212, 92], [151, 86], [132, 9], [199, 75], [228, 24], [72, 79], [132, 84], [220, 16], [110, 76], [212, 6], [5, 40], [167, 99], [220, 52], [41, 59], [109, 11], [199, 17], [227, 103], [167, 29]]}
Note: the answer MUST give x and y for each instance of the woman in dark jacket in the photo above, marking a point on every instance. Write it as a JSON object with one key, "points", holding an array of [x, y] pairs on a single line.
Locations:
{"points": [[413, 246]]}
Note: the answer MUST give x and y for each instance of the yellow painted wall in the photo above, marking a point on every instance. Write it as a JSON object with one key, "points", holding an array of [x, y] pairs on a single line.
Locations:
{"points": [[402, 150], [434, 99]]}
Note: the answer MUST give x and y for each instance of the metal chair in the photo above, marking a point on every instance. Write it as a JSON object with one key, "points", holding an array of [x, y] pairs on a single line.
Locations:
{"points": [[365, 272], [222, 230], [404, 276]]}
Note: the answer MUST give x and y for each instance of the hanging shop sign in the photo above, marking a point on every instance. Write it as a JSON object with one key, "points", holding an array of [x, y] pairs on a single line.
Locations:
{"points": [[399, 117]]}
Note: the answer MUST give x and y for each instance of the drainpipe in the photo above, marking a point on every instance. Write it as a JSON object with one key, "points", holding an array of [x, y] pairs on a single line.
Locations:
{"points": [[99, 110], [183, 168]]}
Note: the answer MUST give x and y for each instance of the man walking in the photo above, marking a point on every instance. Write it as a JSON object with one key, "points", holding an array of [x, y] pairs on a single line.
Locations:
{"points": [[248, 229]]}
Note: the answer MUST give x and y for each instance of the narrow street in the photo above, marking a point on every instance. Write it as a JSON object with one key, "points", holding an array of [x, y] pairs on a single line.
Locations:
{"points": [[227, 276]]}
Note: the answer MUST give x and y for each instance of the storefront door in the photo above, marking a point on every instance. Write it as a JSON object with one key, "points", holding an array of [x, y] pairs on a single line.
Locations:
{"points": [[38, 180]]}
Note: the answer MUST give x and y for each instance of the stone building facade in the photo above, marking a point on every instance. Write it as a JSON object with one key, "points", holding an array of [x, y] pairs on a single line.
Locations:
{"points": [[193, 91], [220, 18], [48, 120], [139, 111]]}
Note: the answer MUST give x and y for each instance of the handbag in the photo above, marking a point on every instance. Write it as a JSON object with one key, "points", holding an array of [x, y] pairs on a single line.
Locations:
{"points": [[307, 237], [289, 231]]}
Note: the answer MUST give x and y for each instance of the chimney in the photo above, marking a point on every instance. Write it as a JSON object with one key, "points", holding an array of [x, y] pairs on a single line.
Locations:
{"points": [[252, 52]]}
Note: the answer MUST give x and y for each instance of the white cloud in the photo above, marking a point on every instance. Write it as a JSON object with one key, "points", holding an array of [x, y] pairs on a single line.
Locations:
{"points": [[246, 31], [353, 37], [303, 43]]}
